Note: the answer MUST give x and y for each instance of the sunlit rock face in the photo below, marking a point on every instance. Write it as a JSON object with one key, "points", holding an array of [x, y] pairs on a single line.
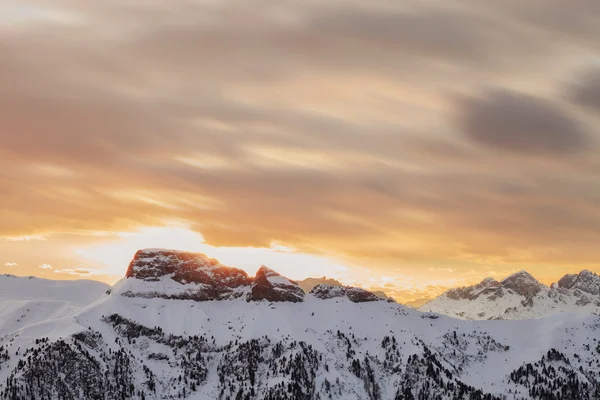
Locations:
{"points": [[184, 275], [523, 284], [271, 286]]}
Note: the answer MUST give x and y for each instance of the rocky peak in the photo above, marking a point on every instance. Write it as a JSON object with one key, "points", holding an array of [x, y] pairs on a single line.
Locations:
{"points": [[184, 267], [358, 295], [586, 281], [523, 283], [325, 291], [271, 286], [151, 264], [469, 292], [354, 294], [567, 281], [201, 278]]}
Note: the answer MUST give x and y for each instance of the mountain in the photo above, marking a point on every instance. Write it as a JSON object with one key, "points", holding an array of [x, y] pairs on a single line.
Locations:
{"points": [[183, 326], [309, 284], [520, 296], [355, 295]]}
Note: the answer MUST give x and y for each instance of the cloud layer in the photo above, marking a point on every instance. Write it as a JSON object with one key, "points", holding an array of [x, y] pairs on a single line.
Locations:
{"points": [[401, 134]]}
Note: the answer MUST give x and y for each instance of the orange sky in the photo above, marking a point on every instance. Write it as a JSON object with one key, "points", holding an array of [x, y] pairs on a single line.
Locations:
{"points": [[410, 147]]}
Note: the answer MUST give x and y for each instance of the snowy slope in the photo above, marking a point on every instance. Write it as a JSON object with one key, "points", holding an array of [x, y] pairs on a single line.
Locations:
{"points": [[321, 346], [29, 300], [80, 292], [520, 296]]}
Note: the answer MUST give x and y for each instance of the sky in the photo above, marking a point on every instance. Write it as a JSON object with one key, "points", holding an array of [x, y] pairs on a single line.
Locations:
{"points": [[405, 146]]}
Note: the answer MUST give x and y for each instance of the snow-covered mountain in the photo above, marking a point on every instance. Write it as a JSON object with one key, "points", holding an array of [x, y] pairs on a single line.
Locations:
{"points": [[181, 325], [520, 296]]}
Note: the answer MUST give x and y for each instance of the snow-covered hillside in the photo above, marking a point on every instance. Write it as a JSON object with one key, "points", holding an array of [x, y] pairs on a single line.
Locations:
{"points": [[29, 300], [157, 335], [520, 296]]}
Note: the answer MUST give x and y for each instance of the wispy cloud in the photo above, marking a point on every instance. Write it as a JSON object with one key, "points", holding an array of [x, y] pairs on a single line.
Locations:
{"points": [[45, 266], [10, 264], [387, 136], [26, 238], [75, 271]]}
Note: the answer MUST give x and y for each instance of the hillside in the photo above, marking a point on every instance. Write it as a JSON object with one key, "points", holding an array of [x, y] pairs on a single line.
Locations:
{"points": [[30, 300]]}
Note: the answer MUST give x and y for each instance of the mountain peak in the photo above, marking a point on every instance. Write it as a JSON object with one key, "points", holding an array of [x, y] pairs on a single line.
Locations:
{"points": [[586, 281], [523, 283], [183, 275], [151, 264], [272, 286], [520, 274], [266, 271]]}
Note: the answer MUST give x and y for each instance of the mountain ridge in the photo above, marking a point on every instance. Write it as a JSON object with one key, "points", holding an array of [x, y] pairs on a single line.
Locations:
{"points": [[152, 337], [520, 296]]}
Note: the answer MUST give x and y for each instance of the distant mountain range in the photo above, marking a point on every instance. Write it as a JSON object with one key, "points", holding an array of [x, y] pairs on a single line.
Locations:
{"points": [[520, 296], [183, 326]]}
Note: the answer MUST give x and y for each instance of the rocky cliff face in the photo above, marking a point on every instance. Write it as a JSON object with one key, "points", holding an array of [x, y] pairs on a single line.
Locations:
{"points": [[184, 275], [586, 281], [269, 285], [523, 284], [191, 276]]}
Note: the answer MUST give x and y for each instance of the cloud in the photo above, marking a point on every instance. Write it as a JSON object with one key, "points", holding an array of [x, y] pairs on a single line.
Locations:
{"points": [[327, 127], [45, 266], [520, 123], [75, 271], [586, 90], [10, 264], [25, 238]]}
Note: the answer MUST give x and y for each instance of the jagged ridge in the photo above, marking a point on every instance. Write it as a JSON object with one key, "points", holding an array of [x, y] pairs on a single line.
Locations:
{"points": [[520, 296], [156, 273]]}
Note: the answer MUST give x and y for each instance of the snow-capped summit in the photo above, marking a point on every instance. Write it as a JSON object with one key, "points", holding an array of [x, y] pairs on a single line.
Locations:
{"points": [[271, 286], [586, 281], [182, 275], [520, 296], [169, 274], [523, 283]]}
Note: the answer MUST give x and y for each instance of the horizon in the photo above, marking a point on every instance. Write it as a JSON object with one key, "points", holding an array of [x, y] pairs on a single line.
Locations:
{"points": [[406, 148], [406, 299]]}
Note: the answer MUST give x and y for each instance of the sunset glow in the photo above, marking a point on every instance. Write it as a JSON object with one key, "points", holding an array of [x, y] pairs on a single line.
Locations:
{"points": [[115, 254], [407, 147]]}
